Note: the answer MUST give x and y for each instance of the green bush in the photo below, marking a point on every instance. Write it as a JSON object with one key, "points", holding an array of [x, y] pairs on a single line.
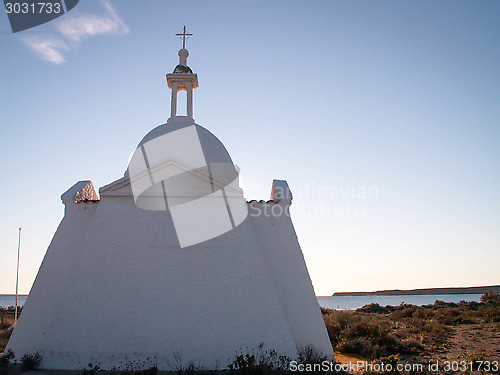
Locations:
{"points": [[310, 355], [30, 361], [261, 363], [374, 308], [490, 296], [91, 370], [374, 331], [6, 364], [149, 371], [361, 346]]}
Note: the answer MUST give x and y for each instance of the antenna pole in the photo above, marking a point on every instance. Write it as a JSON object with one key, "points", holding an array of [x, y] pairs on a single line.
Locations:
{"points": [[17, 274]]}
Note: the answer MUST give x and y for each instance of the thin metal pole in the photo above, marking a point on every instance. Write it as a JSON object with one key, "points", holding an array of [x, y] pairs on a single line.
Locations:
{"points": [[17, 274]]}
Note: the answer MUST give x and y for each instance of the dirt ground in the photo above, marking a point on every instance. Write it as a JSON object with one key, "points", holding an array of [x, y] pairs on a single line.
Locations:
{"points": [[468, 343]]}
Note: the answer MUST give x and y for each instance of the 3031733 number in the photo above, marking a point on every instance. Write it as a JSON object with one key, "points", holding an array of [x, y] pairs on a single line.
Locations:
{"points": [[33, 8], [463, 366]]}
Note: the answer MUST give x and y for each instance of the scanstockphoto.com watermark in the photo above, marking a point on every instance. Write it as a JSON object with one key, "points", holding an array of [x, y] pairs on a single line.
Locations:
{"points": [[318, 209], [352, 192], [203, 196], [314, 200], [332, 209], [365, 366]]}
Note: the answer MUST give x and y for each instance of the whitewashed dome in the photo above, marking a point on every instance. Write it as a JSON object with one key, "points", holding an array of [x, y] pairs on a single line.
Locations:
{"points": [[213, 149], [180, 159], [178, 155]]}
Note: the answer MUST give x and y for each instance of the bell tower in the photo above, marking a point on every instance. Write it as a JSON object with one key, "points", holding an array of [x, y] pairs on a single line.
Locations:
{"points": [[182, 78]]}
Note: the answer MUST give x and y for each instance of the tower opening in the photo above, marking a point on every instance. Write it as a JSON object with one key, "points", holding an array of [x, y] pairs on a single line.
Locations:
{"points": [[182, 103]]}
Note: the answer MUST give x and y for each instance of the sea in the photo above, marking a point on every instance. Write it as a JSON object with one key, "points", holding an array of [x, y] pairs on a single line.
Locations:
{"points": [[7, 300], [334, 302], [355, 302]]}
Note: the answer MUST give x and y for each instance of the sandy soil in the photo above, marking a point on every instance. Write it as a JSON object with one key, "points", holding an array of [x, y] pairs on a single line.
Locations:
{"points": [[468, 342], [471, 342]]}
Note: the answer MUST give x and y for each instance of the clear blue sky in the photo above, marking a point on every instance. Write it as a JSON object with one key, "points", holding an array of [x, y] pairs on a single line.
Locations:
{"points": [[384, 117]]}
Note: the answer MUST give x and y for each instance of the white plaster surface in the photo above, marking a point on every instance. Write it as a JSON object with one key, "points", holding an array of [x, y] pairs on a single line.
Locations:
{"points": [[116, 286]]}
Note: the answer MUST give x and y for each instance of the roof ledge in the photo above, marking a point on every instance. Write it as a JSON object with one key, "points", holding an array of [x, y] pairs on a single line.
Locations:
{"points": [[280, 192], [82, 191]]}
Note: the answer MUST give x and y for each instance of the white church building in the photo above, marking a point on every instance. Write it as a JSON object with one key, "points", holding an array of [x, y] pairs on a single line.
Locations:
{"points": [[171, 262]]}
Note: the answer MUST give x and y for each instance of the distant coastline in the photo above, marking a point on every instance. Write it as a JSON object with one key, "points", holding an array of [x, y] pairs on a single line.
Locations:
{"points": [[425, 291]]}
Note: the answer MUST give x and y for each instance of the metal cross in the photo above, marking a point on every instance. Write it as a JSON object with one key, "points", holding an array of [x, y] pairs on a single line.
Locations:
{"points": [[183, 36]]}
